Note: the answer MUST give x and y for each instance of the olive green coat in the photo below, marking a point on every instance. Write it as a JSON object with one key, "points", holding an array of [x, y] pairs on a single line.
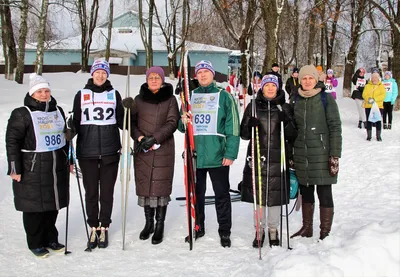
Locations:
{"points": [[319, 136]]}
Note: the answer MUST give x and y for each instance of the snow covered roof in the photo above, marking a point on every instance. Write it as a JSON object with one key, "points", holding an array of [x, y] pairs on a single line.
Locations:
{"points": [[125, 40]]}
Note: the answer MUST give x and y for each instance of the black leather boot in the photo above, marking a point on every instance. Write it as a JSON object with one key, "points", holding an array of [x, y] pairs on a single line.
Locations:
{"points": [[378, 135], [159, 231], [360, 124], [255, 241], [369, 135], [149, 226]]}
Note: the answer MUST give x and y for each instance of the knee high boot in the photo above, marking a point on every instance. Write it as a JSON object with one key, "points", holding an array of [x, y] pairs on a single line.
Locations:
{"points": [[326, 218], [378, 135], [369, 135], [160, 219], [308, 214], [149, 226]]}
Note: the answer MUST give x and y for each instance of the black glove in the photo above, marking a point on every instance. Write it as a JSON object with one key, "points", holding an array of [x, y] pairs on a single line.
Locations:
{"points": [[253, 122], [148, 142], [139, 147], [128, 103], [333, 164], [178, 88], [70, 130], [281, 116]]}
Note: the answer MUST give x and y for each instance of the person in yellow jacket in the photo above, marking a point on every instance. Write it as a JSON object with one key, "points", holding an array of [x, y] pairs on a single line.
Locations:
{"points": [[374, 91]]}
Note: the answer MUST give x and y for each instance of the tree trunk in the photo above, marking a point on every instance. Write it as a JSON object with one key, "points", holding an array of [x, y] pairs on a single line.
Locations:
{"points": [[87, 27], [358, 15], [23, 31], [145, 32], [8, 40], [331, 38], [396, 62], [110, 24], [41, 37], [312, 32], [269, 14]]}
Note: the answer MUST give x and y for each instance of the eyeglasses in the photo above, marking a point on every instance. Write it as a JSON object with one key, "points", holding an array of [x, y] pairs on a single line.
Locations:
{"points": [[154, 78]]}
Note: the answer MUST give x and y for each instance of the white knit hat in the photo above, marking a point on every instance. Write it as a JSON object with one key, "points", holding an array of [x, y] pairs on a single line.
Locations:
{"points": [[37, 82]]}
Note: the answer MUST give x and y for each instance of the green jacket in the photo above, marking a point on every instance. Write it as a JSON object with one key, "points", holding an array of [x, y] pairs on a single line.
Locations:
{"points": [[211, 149], [319, 136]]}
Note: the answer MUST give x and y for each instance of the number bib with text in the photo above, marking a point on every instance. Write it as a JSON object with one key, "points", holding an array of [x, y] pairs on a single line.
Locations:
{"points": [[98, 108], [328, 86], [48, 127], [205, 113], [360, 82], [388, 86]]}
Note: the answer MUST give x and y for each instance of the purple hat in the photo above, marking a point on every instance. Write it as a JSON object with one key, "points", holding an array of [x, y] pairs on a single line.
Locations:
{"points": [[269, 79], [100, 64], [157, 70], [204, 65], [388, 73], [329, 71]]}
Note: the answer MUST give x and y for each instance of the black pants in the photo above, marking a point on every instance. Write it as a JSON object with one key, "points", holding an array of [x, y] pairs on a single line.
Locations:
{"points": [[387, 111], [378, 124], [220, 181], [40, 228], [324, 195], [99, 181]]}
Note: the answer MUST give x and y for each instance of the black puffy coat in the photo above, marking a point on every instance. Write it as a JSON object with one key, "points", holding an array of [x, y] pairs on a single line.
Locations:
{"points": [[357, 93], [292, 85], [44, 184], [97, 141], [155, 115], [269, 132]]}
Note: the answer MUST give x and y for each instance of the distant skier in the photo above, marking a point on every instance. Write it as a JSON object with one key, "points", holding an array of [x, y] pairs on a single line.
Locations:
{"points": [[293, 84], [330, 83], [359, 82], [392, 91]]}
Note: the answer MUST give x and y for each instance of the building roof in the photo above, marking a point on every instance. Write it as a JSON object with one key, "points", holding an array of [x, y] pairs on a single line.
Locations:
{"points": [[125, 40]]}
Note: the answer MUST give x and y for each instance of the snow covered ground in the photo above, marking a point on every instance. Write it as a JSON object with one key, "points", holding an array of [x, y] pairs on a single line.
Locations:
{"points": [[365, 237]]}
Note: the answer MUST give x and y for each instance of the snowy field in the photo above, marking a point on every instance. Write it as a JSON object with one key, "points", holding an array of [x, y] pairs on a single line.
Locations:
{"points": [[364, 241]]}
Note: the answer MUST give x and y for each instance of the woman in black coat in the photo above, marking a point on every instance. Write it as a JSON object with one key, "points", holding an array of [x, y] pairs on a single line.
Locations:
{"points": [[270, 110], [37, 155]]}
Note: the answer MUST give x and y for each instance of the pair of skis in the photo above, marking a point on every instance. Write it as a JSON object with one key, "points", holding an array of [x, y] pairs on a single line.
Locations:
{"points": [[125, 161], [189, 155]]}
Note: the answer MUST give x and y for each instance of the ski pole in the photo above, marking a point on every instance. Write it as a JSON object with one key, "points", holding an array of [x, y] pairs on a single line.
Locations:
{"points": [[283, 183], [66, 252], [80, 195]]}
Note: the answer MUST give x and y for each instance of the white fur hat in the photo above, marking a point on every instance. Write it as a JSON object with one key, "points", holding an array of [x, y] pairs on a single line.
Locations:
{"points": [[37, 82]]}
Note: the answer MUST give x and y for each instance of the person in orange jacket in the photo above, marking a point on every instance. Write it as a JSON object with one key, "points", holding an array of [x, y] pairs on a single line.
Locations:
{"points": [[374, 91]]}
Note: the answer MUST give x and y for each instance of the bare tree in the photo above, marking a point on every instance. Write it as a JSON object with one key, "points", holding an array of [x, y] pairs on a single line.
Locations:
{"points": [[168, 30], [110, 24], [248, 17], [7, 36], [88, 24], [41, 37], [271, 13], [146, 32], [23, 31], [392, 13], [330, 39], [357, 17], [313, 28]]}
